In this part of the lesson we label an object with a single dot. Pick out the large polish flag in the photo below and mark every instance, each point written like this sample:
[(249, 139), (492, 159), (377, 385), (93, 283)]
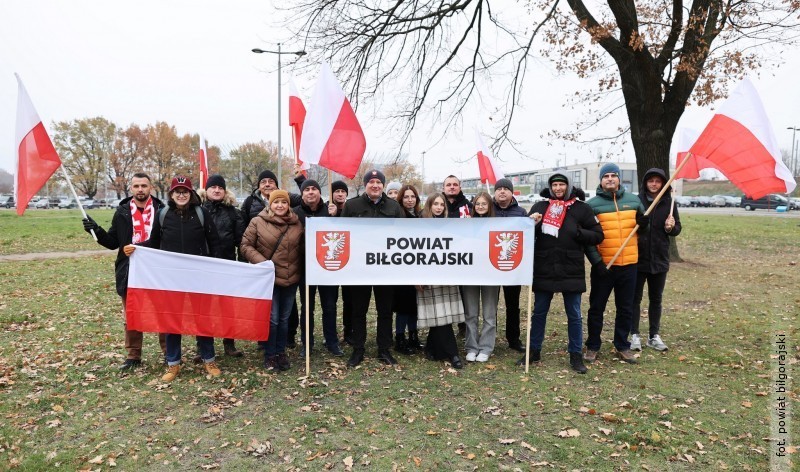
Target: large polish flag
[(332, 136), (490, 171), (202, 155), (37, 159), (297, 116), (177, 293), (739, 141)]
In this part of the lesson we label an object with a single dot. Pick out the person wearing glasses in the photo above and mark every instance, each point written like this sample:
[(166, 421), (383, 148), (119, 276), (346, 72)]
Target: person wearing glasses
[(259, 198)]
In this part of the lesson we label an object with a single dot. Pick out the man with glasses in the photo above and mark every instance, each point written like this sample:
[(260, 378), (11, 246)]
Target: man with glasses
[(253, 204), (618, 212)]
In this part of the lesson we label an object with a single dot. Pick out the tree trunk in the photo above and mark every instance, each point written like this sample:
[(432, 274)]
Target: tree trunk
[(673, 251)]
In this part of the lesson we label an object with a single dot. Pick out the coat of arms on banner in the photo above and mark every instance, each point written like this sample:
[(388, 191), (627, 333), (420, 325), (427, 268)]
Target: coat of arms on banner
[(333, 249), (505, 249)]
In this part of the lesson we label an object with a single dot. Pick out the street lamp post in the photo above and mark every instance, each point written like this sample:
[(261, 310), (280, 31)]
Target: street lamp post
[(792, 161), (279, 53)]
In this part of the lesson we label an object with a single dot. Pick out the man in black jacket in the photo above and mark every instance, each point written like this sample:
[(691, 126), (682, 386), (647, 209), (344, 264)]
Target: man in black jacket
[(564, 226), (132, 222), (373, 203), (653, 256), (457, 204), (221, 204), (256, 201)]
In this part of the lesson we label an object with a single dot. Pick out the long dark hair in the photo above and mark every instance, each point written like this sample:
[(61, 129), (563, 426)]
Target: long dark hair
[(427, 210), (403, 189)]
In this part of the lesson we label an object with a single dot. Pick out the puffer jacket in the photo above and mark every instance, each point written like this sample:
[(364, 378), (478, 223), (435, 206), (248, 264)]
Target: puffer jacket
[(654, 241), (362, 207), (228, 220), (120, 235), (182, 231), (558, 262), (262, 241), (617, 212), (460, 207)]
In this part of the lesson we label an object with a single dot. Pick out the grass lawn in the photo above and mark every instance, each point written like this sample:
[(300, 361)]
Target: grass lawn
[(704, 405)]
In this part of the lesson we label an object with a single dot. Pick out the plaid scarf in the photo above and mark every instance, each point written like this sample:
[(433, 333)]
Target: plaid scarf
[(554, 216), (142, 221)]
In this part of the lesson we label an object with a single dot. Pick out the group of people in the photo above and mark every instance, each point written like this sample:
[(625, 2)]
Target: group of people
[(270, 226)]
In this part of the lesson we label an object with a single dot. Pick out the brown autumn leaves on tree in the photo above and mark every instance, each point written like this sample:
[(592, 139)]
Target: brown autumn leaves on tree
[(650, 59)]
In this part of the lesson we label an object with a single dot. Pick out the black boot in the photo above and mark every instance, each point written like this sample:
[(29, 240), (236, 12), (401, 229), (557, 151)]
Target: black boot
[(230, 348), (576, 362), (401, 346), (536, 356), (413, 340)]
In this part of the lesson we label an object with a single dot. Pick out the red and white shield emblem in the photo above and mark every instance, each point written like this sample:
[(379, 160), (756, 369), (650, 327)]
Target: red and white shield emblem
[(333, 249), (505, 249)]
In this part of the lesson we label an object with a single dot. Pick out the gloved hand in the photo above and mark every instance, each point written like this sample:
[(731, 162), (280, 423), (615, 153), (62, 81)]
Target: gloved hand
[(643, 220), (90, 225), (599, 270)]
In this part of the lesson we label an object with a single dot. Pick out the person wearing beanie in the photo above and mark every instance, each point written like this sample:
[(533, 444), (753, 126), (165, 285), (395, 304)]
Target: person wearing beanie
[(505, 206), (618, 212), (373, 203), (338, 198), (258, 199), (653, 262), (393, 188), (185, 227), (221, 204), (564, 226), (312, 206)]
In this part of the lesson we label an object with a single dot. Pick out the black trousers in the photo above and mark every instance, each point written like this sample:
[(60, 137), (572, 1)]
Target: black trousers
[(294, 322), (347, 312), (441, 342), (511, 297), (655, 292), (621, 280), (361, 295)]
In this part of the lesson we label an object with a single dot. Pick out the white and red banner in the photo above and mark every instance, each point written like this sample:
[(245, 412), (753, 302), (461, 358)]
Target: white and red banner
[(332, 135), (37, 159), (490, 171), (177, 293), (739, 141), (203, 157), (297, 116), (398, 251)]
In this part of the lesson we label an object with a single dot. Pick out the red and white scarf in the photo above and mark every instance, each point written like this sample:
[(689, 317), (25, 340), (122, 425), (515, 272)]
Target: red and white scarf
[(142, 221), (554, 216)]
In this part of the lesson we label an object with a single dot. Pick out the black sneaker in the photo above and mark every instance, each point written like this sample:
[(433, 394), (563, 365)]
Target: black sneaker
[(335, 350), (356, 358), (130, 364), (283, 362), (516, 346), (386, 357), (536, 356)]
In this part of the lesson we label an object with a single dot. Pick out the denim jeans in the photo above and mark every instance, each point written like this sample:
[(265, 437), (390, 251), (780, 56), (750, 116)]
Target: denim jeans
[(328, 298), (655, 291), (475, 298), (403, 321), (282, 300), (205, 346), (622, 281), (572, 305)]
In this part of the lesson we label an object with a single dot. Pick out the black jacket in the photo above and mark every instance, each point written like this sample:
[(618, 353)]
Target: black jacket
[(454, 209), (405, 296), (183, 233), (120, 235), (254, 203), (229, 223), (304, 211), (654, 240), (512, 209), (362, 207), (558, 262)]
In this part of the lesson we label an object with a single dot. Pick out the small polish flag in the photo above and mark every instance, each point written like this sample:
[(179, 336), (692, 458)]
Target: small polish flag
[(169, 292), (489, 169), (739, 141), (332, 136), (203, 157), (37, 159), (297, 116)]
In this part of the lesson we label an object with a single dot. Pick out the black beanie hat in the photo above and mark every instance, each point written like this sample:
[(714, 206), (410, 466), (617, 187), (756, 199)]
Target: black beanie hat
[(308, 183), (216, 179), (268, 174), (504, 183), (374, 174), (339, 185)]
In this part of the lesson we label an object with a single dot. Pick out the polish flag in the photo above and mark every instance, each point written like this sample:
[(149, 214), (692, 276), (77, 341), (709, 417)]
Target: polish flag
[(169, 292), (489, 169), (203, 157), (37, 159), (739, 141), (332, 136), (297, 115)]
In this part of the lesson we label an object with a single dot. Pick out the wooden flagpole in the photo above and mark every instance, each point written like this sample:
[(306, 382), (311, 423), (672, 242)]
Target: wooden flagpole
[(649, 209)]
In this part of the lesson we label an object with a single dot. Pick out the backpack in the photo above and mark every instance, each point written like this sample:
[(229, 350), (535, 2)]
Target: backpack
[(162, 213)]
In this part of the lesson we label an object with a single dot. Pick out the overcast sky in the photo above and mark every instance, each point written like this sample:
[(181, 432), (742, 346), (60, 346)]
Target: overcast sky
[(189, 63)]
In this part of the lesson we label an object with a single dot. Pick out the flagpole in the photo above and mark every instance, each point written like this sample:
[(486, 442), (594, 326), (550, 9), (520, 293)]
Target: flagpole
[(650, 208), (308, 336), (528, 331), (672, 204), (330, 187), (74, 194)]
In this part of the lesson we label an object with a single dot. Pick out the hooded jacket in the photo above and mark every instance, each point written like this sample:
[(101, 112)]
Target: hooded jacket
[(654, 240), (119, 235), (228, 220), (454, 209), (280, 240), (617, 212)]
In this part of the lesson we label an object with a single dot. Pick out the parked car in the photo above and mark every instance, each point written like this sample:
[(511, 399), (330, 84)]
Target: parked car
[(718, 201), (702, 201), (67, 203), (795, 203), (112, 203), (7, 201), (89, 204), (682, 201), (732, 201), (769, 202), (42, 203), (522, 198)]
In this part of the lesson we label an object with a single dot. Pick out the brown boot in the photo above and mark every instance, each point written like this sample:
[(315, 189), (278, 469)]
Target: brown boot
[(230, 348), (172, 373), (627, 356), (212, 369), (589, 356)]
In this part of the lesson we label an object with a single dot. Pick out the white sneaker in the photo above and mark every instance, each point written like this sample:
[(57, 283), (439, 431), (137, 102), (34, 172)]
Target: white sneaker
[(636, 343), (656, 343), (471, 357), (482, 357)]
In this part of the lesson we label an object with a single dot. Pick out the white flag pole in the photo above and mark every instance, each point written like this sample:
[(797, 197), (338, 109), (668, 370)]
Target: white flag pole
[(74, 194)]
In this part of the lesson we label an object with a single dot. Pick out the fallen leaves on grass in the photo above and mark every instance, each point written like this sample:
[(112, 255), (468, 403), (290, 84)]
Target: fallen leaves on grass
[(569, 433)]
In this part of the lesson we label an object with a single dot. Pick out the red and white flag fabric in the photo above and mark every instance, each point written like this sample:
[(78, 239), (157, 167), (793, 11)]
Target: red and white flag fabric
[(202, 155), (177, 293), (490, 171), (332, 136), (37, 158), (739, 141), (297, 116)]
